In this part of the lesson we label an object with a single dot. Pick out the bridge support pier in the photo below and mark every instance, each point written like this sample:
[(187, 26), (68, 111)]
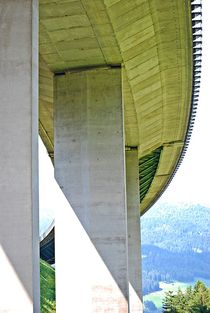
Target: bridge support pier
[(93, 270), (19, 229), (90, 169), (134, 231)]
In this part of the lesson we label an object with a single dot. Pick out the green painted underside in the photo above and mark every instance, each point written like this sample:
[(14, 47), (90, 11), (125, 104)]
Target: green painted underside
[(147, 169)]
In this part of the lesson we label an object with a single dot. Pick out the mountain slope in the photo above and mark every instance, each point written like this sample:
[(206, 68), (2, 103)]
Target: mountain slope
[(175, 244), (178, 228)]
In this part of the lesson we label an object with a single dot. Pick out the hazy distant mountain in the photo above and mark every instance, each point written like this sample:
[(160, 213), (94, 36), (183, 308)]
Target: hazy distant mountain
[(177, 227), (175, 244)]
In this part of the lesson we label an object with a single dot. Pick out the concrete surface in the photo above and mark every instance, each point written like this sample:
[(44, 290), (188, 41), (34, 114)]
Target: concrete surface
[(152, 41), (19, 237), (90, 170), (134, 232)]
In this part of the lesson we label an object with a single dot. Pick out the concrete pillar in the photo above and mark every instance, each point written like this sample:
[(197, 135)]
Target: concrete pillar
[(19, 237), (90, 169), (134, 235)]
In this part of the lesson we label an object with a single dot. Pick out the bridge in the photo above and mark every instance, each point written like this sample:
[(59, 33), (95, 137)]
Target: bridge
[(47, 244), (117, 85)]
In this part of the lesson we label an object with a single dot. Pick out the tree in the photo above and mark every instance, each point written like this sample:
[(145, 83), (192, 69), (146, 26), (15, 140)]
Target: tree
[(168, 303), (194, 300)]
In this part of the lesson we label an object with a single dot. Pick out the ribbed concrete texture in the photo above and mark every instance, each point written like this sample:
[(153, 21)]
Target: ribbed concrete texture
[(90, 169), (19, 238), (153, 41), (134, 234)]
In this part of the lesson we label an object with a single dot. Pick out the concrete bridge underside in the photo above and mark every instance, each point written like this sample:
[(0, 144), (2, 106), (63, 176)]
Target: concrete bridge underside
[(116, 98)]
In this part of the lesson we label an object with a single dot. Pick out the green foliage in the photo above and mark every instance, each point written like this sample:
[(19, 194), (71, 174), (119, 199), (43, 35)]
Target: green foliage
[(194, 300), (48, 306), (168, 303), (47, 288)]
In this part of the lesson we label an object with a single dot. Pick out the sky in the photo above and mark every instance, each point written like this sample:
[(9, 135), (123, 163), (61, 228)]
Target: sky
[(191, 182)]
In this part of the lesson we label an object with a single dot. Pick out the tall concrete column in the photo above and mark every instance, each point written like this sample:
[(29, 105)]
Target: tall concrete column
[(19, 237), (134, 231), (91, 246)]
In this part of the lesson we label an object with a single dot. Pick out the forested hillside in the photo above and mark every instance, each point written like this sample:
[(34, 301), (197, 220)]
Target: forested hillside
[(179, 228), (175, 244), (163, 265)]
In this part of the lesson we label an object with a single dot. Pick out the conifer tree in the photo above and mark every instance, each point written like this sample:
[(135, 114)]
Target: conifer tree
[(194, 300), (168, 303)]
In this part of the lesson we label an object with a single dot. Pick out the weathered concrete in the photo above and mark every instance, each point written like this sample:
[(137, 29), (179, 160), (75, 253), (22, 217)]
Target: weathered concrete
[(134, 231), (19, 238), (90, 169)]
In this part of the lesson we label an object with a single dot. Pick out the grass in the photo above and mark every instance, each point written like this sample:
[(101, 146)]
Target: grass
[(157, 297), (47, 288)]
